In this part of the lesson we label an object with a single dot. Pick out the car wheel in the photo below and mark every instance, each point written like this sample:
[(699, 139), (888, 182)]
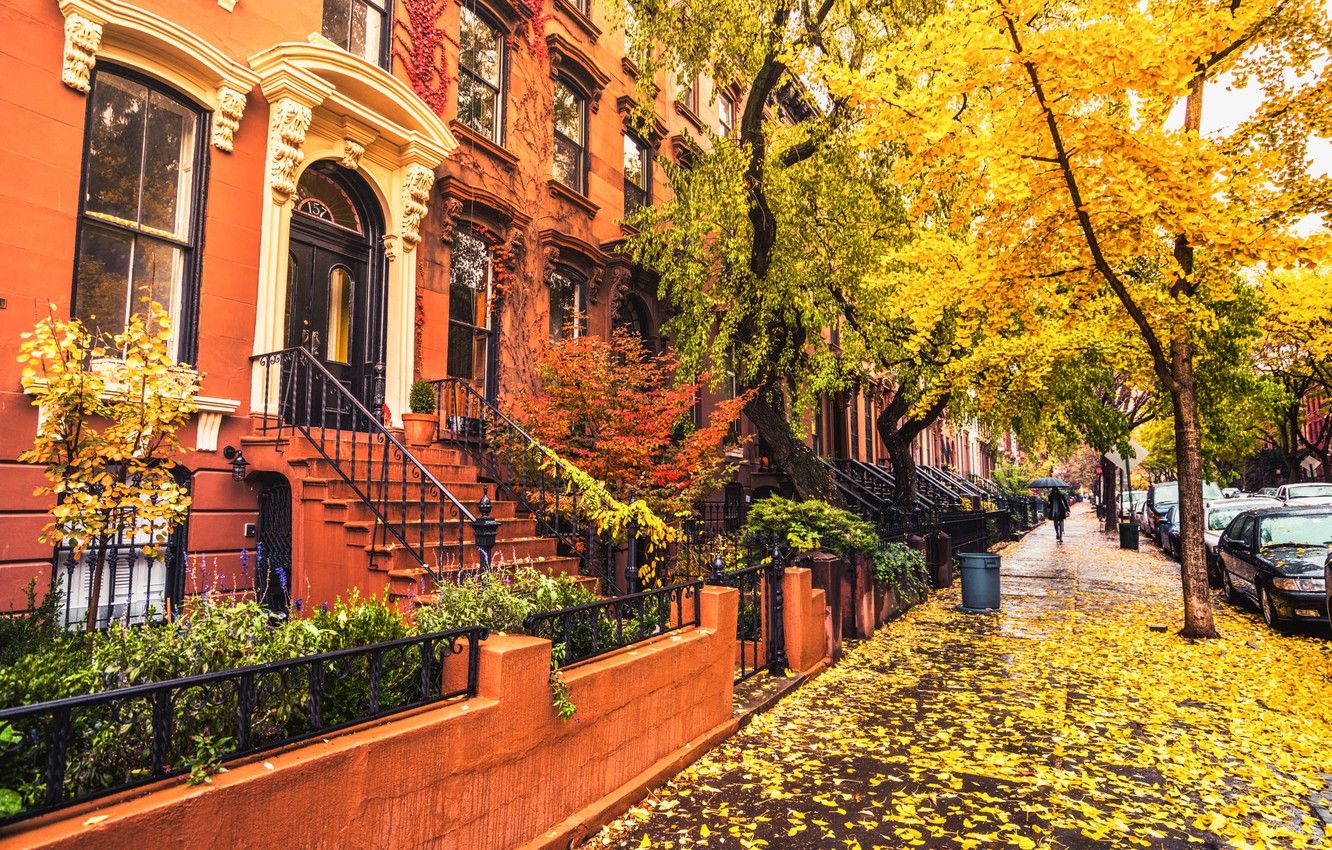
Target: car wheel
[(1265, 604), (1232, 595)]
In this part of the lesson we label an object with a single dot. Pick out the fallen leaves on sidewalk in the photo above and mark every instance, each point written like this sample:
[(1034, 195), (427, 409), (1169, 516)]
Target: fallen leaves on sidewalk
[(1075, 727)]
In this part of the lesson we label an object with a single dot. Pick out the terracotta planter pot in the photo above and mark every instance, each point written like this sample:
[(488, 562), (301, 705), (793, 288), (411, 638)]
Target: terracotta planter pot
[(420, 428)]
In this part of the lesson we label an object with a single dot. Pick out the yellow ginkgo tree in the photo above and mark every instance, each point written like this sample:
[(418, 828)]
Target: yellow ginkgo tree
[(1068, 138), (109, 408)]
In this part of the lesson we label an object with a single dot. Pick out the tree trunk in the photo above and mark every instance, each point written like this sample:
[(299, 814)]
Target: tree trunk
[(95, 591), (1198, 621), (904, 467), (767, 412), (1108, 495)]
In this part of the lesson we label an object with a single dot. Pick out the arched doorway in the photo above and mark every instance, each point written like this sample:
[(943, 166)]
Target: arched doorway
[(335, 280)]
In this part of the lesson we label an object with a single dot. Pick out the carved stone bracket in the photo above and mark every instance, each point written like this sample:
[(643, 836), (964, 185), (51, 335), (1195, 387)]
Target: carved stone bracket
[(594, 284), (226, 121), (286, 139), (618, 280), (389, 242), (352, 151), (415, 199), (82, 38), (550, 260), (449, 219)]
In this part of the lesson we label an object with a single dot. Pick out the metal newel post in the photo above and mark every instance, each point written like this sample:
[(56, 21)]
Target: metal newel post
[(631, 559), (484, 531), (718, 567), (776, 630)]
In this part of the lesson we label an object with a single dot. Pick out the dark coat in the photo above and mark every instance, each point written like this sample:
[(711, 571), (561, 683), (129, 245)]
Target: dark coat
[(1057, 503)]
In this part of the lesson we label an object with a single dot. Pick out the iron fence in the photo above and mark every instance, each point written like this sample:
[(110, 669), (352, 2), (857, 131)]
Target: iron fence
[(595, 628), (67, 751), (759, 632)]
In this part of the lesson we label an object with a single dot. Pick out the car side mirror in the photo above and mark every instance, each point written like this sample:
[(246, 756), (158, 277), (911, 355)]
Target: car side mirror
[(1237, 545)]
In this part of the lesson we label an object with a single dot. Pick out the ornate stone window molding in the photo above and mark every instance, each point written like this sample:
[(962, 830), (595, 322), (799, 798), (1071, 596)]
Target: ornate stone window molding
[(153, 45), (325, 103), (567, 61)]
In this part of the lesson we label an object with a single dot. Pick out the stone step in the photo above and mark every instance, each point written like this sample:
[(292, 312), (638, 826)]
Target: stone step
[(359, 531), (392, 555)]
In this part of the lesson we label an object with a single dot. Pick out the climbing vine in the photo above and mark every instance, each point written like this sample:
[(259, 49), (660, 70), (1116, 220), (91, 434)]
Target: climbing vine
[(418, 44)]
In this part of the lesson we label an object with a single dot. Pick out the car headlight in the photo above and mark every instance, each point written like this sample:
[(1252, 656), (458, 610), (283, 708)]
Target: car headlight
[(1303, 585)]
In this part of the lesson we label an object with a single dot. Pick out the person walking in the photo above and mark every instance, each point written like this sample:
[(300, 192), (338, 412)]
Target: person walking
[(1057, 504)]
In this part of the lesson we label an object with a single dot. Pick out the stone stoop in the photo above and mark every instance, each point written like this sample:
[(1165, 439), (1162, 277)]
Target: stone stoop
[(317, 486)]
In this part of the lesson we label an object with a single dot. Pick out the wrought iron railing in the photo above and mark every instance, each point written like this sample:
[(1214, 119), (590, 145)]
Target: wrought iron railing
[(72, 750), (409, 502), (524, 471), (965, 529), (595, 628), (133, 587), (942, 492), (757, 574)]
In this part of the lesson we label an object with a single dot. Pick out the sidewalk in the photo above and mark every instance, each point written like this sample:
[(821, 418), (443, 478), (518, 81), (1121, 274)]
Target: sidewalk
[(1065, 721)]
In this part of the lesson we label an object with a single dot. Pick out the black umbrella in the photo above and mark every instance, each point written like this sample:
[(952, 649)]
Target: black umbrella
[(1047, 483)]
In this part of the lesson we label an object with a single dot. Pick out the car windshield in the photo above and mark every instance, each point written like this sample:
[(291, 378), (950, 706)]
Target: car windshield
[(1309, 491), (1297, 530), (1165, 494), (1210, 490)]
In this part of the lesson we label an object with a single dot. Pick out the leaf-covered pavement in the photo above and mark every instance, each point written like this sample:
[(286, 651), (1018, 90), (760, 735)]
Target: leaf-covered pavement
[(1064, 722)]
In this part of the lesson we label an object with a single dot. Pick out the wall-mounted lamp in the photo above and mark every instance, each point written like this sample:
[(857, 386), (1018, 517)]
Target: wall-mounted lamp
[(238, 462)]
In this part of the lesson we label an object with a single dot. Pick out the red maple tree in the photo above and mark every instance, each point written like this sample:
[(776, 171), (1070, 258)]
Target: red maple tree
[(617, 411)]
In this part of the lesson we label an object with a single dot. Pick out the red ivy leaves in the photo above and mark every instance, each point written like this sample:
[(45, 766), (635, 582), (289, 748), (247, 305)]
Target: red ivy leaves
[(419, 46)]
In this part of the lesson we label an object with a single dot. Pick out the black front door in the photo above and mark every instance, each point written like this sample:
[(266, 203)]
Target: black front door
[(335, 293)]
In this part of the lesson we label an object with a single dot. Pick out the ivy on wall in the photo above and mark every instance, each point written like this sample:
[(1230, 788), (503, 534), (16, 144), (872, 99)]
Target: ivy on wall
[(419, 45)]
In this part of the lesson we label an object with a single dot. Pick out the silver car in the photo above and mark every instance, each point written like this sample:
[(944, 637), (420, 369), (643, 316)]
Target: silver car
[(1299, 495)]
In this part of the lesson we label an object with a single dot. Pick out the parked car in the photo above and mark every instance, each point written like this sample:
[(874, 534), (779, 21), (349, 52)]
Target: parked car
[(1305, 494), (1216, 516), (1130, 501), (1167, 532), (1161, 496), (1277, 558), (1269, 492), (1231, 493)]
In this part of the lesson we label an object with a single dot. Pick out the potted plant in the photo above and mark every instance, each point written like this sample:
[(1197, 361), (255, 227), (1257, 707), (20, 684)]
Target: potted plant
[(420, 424)]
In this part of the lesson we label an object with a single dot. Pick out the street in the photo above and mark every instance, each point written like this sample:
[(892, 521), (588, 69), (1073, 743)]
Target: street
[(1075, 718)]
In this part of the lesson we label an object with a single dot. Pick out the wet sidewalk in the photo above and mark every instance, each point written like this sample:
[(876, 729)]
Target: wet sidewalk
[(1070, 719)]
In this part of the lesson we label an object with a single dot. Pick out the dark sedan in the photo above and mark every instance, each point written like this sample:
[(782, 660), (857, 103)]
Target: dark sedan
[(1275, 557)]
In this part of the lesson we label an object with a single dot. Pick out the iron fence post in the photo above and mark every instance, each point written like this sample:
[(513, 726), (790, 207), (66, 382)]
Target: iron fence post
[(484, 531), (631, 559), (777, 661)]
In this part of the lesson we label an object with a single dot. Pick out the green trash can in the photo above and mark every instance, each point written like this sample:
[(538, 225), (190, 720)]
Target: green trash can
[(1128, 535), (980, 581)]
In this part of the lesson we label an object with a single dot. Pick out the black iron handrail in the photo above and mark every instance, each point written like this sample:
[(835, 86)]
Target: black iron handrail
[(595, 628), (84, 747), (525, 471), (938, 491), (881, 480), (408, 501)]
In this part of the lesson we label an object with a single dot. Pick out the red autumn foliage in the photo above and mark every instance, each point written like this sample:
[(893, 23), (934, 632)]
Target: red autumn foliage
[(419, 46), (616, 411)]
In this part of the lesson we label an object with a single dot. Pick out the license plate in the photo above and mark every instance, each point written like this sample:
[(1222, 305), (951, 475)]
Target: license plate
[(1307, 612)]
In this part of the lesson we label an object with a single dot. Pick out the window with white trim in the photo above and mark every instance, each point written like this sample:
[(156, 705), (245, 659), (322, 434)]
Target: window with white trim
[(141, 206)]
